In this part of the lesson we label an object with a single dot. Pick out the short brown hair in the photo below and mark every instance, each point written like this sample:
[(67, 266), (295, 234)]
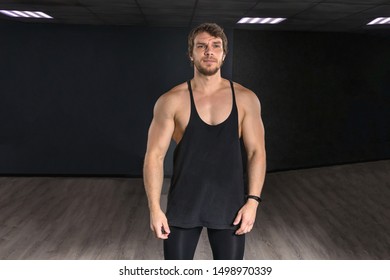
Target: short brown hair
[(213, 29)]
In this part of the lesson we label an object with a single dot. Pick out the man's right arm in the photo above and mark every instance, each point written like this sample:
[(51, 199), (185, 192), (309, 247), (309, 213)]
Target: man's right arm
[(159, 138)]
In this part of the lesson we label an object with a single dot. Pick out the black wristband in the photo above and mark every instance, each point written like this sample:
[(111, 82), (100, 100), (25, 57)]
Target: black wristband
[(257, 198)]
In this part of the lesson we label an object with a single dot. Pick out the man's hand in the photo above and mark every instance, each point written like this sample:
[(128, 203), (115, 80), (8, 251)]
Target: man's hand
[(246, 216), (159, 224)]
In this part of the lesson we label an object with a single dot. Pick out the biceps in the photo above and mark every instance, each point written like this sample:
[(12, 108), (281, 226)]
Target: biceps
[(159, 137), (253, 134)]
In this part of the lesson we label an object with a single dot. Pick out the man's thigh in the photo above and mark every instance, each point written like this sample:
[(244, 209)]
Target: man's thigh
[(181, 243), (226, 245)]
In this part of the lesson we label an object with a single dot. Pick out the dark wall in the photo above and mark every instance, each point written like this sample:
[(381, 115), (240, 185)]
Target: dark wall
[(79, 99), (325, 96)]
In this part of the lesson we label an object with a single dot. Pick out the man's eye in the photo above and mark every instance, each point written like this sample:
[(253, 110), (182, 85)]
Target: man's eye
[(200, 46), (217, 46)]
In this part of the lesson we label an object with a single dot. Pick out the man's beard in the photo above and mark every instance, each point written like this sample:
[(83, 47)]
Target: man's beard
[(206, 71)]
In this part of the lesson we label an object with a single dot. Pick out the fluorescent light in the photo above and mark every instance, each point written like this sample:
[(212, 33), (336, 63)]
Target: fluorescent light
[(244, 20), (277, 20), (8, 13), (385, 21), (25, 14), (254, 20), (265, 20), (21, 14), (43, 15), (257, 20), (380, 20), (32, 14)]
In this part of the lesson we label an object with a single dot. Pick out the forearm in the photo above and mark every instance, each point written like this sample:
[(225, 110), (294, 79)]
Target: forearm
[(153, 181), (256, 168), (256, 175)]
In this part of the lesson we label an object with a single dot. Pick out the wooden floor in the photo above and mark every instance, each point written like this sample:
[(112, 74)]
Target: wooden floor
[(339, 212)]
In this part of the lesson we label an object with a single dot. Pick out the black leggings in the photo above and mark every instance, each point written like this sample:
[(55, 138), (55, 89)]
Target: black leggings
[(225, 244)]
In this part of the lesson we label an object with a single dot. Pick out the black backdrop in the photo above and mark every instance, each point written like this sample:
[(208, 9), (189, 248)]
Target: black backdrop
[(325, 96), (78, 100)]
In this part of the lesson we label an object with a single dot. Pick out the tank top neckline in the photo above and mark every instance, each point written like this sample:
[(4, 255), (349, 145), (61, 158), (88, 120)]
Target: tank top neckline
[(193, 106)]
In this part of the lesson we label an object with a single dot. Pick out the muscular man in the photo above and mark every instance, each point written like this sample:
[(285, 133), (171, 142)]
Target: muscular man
[(206, 117)]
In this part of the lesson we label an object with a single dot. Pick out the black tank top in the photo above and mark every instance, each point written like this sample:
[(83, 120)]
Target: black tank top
[(207, 185)]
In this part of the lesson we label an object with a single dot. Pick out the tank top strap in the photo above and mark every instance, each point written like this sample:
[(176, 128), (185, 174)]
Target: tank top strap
[(193, 109), (233, 94), (231, 85), (234, 107)]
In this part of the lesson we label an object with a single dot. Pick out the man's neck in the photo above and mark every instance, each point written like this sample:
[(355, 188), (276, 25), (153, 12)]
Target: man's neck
[(207, 84)]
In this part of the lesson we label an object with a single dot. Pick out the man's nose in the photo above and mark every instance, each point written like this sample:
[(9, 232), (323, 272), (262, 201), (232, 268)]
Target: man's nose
[(207, 50)]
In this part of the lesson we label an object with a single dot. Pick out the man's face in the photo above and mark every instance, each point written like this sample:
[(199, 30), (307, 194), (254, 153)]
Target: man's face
[(208, 54)]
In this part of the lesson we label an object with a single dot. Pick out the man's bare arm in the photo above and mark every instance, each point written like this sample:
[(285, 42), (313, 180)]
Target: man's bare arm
[(253, 137), (159, 138)]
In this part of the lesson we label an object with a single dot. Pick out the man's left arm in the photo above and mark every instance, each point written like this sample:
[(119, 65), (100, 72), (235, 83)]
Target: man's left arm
[(252, 130)]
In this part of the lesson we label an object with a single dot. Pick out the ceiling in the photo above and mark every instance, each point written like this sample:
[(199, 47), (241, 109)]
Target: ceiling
[(305, 15)]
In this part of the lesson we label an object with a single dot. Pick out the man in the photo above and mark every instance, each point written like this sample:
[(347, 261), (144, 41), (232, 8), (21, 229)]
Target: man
[(206, 117)]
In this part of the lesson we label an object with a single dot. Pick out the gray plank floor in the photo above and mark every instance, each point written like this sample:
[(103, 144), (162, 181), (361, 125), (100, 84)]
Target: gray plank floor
[(339, 212)]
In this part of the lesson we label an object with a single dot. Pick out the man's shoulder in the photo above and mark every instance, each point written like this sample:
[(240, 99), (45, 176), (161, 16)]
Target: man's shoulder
[(170, 101), (175, 93), (245, 95), (247, 100)]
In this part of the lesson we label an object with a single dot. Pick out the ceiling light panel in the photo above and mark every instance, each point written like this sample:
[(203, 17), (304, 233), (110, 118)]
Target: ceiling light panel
[(257, 20), (25, 14), (380, 20)]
